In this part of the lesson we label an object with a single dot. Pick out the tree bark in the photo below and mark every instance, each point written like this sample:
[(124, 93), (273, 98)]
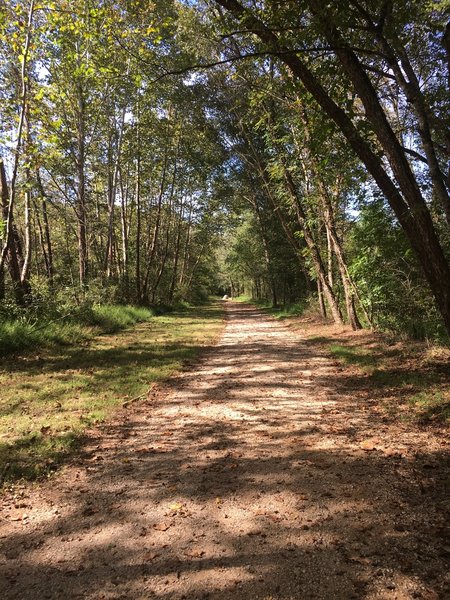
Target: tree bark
[(410, 209), (137, 197), (154, 241), (314, 250), (266, 248), (413, 93), (322, 308), (80, 207), (47, 247), (13, 253)]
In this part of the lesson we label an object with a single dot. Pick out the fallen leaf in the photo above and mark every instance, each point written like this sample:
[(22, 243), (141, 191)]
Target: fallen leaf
[(369, 444), (275, 518), (175, 506), (362, 560), (392, 452), (195, 553), (162, 526), (149, 556)]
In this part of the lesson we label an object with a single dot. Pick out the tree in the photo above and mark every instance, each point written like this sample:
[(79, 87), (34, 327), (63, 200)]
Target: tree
[(404, 195)]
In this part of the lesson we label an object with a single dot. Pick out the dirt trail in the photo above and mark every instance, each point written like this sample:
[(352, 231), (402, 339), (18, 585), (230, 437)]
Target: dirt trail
[(257, 477)]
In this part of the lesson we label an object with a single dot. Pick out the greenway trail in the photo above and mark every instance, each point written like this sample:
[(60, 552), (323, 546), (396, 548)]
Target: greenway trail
[(259, 474)]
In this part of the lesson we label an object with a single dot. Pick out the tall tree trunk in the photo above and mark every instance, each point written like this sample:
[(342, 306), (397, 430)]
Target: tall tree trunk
[(124, 232), (322, 308), (24, 275), (408, 206), (260, 169), (46, 234), (162, 265), (267, 258), (112, 192), (80, 208), (154, 238), (399, 63), (8, 205), (313, 249), (137, 197), (186, 248), (334, 242), (336, 247), (176, 257), (25, 271), (329, 257), (13, 254), (43, 248), (2, 284)]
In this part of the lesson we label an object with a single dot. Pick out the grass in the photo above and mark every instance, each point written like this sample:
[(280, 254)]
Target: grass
[(352, 355), (21, 335), (417, 384), (431, 406), (49, 399)]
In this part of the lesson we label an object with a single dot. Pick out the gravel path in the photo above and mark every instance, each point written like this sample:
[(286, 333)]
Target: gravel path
[(259, 475)]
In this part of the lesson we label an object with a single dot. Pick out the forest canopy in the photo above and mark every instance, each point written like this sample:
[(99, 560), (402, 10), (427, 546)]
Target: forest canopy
[(155, 152)]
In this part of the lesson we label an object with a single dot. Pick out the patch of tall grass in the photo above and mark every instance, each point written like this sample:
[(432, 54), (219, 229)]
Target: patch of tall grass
[(110, 318), (32, 332)]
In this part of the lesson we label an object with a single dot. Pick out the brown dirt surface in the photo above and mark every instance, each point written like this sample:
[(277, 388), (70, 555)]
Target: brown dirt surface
[(264, 472)]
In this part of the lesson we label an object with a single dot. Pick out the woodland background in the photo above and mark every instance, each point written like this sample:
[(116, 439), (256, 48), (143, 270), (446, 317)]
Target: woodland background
[(156, 152)]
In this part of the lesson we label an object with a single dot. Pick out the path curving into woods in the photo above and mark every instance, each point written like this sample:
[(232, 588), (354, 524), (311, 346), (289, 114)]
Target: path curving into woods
[(257, 475)]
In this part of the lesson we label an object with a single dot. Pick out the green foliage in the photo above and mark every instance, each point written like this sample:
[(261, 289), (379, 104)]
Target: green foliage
[(109, 318), (388, 276), (354, 356), (25, 334), (48, 400), (431, 406), (18, 336), (286, 311)]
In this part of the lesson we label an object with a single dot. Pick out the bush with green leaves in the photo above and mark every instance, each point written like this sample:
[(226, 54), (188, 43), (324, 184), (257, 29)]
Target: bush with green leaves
[(391, 284)]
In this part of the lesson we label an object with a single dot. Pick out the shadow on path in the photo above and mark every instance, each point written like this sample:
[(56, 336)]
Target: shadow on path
[(248, 480)]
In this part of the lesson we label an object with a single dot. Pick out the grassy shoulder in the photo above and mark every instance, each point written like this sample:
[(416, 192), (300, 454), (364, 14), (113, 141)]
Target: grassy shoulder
[(49, 397), (26, 333), (410, 380)]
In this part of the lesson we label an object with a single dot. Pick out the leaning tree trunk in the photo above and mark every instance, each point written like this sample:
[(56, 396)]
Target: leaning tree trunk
[(407, 204), (314, 250)]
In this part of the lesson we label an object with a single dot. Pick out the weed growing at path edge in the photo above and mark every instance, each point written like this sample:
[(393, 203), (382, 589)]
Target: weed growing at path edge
[(48, 399)]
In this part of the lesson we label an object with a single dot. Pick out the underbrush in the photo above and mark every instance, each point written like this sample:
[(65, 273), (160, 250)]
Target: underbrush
[(284, 311), (31, 331), (110, 318)]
